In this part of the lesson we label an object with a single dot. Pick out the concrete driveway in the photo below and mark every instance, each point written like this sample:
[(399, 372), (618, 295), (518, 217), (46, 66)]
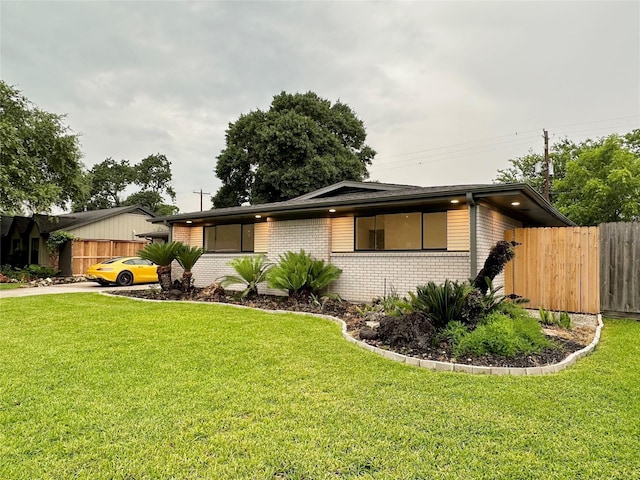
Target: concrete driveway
[(82, 287)]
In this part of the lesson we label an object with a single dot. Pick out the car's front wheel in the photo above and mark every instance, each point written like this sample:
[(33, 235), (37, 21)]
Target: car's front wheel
[(125, 279)]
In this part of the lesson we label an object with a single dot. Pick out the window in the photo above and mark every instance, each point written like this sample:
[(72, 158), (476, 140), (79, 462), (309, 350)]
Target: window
[(402, 231), (229, 238)]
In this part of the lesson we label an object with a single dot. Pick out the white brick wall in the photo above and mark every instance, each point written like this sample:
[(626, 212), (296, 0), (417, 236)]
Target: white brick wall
[(366, 274), (491, 227)]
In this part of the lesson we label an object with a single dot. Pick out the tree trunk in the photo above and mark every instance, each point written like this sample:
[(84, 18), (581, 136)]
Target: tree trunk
[(164, 277), (186, 281)]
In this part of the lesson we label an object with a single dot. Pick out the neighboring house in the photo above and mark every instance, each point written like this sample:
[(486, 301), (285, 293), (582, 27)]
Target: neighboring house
[(384, 237), (120, 223)]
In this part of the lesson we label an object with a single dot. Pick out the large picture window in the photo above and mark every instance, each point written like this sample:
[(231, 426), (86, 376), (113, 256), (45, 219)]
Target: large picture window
[(229, 238), (402, 231)]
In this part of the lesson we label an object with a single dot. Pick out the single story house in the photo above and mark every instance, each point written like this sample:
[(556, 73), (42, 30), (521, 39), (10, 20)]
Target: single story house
[(384, 237), (26, 237)]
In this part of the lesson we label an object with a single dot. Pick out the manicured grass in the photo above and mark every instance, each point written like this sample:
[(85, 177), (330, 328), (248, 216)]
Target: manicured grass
[(98, 387), (8, 286)]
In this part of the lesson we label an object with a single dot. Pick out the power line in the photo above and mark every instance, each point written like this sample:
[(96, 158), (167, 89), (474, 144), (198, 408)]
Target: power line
[(201, 195)]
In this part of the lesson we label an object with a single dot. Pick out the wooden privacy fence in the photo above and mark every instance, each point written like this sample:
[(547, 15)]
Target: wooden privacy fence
[(620, 269), (85, 253), (556, 268)]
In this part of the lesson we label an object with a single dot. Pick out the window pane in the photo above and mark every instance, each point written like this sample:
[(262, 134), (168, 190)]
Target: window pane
[(401, 231), (247, 238), (228, 238), (435, 230), (365, 233), (209, 239)]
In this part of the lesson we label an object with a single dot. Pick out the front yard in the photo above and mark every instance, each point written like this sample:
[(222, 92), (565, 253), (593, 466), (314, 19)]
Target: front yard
[(99, 387)]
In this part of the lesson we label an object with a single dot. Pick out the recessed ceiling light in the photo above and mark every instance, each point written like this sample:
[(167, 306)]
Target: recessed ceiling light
[(258, 216), (332, 210), (455, 201), (515, 204), (189, 221)]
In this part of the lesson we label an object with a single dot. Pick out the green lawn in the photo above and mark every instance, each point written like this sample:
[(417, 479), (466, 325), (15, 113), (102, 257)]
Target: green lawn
[(99, 387), (9, 286)]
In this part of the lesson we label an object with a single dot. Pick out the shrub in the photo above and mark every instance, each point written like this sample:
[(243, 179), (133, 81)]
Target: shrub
[(251, 271), (301, 275), (28, 273), (505, 336), (442, 303), (499, 256), (453, 333)]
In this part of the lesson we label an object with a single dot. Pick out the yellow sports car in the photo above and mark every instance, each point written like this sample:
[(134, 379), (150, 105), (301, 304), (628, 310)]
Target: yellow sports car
[(123, 271)]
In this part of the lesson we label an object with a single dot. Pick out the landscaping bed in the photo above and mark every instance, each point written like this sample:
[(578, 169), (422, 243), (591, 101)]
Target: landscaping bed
[(565, 341)]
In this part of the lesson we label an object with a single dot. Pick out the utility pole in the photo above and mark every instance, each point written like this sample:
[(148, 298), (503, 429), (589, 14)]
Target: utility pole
[(201, 194), (546, 163)]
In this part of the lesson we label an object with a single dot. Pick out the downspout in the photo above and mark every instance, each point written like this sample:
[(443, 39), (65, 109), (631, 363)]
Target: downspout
[(473, 236), (170, 237)]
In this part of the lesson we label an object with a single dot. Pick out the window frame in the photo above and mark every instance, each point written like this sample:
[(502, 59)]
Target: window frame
[(422, 231), (241, 238)]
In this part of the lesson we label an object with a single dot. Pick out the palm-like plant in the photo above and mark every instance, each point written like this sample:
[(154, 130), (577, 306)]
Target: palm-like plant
[(187, 257), (251, 270), (301, 275), (162, 254), (442, 303)]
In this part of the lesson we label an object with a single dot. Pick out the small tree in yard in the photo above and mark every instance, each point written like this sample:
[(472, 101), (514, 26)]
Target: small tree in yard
[(187, 257), (162, 254), (499, 256)]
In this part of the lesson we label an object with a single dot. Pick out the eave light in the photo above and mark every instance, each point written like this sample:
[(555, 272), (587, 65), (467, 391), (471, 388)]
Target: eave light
[(332, 210), (515, 204), (455, 201), (258, 216), (189, 221)]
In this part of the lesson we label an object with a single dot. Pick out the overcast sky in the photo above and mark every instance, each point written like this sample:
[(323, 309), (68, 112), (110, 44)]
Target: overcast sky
[(448, 91)]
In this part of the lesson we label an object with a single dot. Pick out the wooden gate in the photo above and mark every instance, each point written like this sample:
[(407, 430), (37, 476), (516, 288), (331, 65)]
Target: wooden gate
[(85, 253), (556, 268), (620, 269)]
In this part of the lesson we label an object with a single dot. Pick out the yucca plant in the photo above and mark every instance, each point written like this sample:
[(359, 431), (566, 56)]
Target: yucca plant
[(301, 275), (162, 254), (251, 271), (187, 257), (442, 303)]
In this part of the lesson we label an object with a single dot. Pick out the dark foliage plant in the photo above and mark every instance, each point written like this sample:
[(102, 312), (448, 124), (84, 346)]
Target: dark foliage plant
[(442, 303), (500, 255)]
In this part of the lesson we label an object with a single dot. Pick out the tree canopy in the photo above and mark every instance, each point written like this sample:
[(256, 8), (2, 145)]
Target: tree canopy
[(592, 182), (108, 180), (40, 157), (302, 143)]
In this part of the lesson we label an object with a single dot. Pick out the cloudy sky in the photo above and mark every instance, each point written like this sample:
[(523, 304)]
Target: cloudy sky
[(448, 91)]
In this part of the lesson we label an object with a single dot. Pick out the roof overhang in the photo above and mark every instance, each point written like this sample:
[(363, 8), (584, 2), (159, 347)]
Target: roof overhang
[(519, 201)]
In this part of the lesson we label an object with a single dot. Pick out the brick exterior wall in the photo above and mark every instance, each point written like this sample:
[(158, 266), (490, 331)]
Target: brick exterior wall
[(491, 227), (366, 275)]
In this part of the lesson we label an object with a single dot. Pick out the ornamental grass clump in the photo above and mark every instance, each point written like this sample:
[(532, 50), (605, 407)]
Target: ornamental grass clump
[(301, 275)]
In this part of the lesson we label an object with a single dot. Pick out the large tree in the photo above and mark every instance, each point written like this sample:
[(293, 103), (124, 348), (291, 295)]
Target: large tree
[(593, 181), (40, 157), (601, 185), (303, 142), (108, 180)]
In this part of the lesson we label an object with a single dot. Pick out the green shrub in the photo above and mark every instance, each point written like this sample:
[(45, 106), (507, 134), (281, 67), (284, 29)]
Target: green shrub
[(301, 275), (442, 303), (251, 271), (453, 333), (28, 273), (505, 336)]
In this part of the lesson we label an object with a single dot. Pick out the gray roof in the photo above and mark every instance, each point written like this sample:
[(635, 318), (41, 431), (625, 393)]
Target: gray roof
[(51, 223), (346, 196)]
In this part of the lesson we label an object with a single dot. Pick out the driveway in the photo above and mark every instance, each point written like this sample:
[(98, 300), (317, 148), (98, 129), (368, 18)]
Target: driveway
[(82, 287)]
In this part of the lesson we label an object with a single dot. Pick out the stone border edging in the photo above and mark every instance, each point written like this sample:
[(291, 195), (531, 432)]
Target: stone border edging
[(418, 362)]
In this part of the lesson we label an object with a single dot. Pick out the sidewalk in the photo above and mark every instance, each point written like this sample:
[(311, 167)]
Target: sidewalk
[(83, 287)]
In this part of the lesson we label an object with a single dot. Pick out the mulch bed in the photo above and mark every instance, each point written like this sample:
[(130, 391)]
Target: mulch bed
[(566, 341)]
